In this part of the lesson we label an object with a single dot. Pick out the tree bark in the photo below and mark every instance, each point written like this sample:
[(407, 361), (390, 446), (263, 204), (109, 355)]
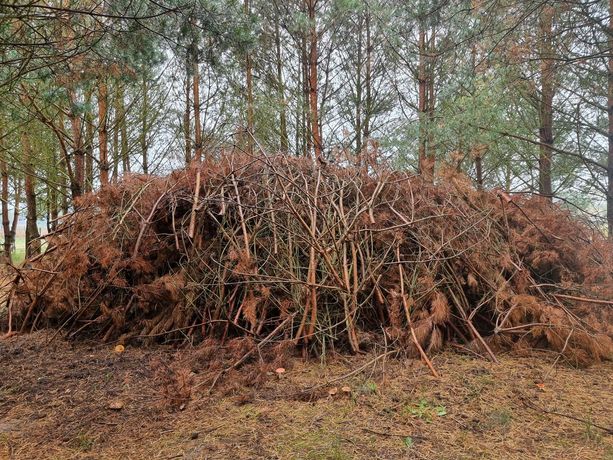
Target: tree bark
[(16, 212), (358, 91), (197, 125), (546, 101), (313, 85), (610, 128), (115, 141), (77, 146), (9, 237), (368, 79), (123, 124), (307, 138), (144, 133), (32, 234), (475, 54), (102, 132), (249, 84), (88, 145), (283, 138), (186, 114), (65, 179), (431, 101), (53, 208), (422, 102), (52, 189), (479, 168)]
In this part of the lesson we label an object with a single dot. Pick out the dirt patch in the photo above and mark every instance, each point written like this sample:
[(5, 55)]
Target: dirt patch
[(59, 400)]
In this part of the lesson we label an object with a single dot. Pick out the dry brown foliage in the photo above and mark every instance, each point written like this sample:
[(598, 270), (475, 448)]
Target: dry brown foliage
[(349, 253)]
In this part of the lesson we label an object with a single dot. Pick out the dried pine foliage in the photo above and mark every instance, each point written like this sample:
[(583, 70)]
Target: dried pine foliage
[(333, 255)]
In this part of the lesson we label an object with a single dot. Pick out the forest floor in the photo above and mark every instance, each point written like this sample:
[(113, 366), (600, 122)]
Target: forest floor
[(65, 400)]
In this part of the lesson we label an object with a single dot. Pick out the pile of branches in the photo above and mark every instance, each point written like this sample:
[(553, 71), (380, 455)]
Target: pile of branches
[(275, 249)]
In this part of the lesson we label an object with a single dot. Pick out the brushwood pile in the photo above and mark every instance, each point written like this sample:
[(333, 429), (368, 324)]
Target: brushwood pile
[(324, 257)]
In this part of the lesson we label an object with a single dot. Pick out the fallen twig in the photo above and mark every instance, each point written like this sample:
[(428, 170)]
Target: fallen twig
[(531, 405)]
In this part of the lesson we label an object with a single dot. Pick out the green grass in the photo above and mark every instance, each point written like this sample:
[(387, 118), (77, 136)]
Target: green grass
[(20, 250)]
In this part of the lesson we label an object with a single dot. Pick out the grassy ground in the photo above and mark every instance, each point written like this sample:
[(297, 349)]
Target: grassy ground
[(64, 400), (20, 249)]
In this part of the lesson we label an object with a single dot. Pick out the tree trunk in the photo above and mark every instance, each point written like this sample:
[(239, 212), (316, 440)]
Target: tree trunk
[(546, 101), (64, 177), (186, 114), (88, 146), (283, 139), (313, 88), (16, 209), (477, 71), (368, 79), (431, 101), (358, 91), (610, 133), (115, 141), (123, 124), (144, 134), (77, 142), (9, 237), (53, 208), (422, 102), (479, 168), (249, 84), (32, 234), (197, 125), (306, 115), (297, 112), (52, 189), (102, 132)]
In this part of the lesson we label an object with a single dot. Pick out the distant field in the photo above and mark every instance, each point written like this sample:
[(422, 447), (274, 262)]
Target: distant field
[(20, 249)]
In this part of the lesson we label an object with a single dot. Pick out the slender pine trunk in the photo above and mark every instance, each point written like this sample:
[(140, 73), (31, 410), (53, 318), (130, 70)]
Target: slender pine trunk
[(368, 78), (88, 146), (9, 237), (358, 91), (77, 186), (313, 83), (115, 141), (197, 125), (16, 212), (283, 138), (249, 85), (123, 123), (610, 133), (306, 114), (102, 132), (422, 101), (52, 189), (32, 234), (431, 100), (546, 101), (186, 114), (144, 133)]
